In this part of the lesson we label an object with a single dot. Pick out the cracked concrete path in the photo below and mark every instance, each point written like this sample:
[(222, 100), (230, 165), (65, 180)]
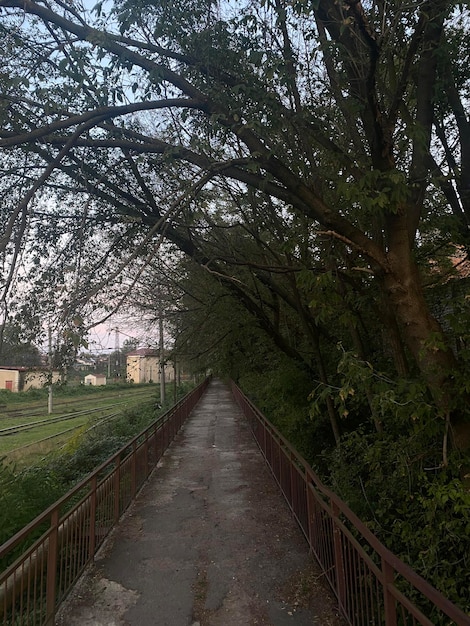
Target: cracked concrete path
[(208, 542)]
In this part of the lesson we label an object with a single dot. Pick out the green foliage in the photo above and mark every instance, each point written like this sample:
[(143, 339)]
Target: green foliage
[(25, 495), (280, 391), (394, 480), (419, 509), (376, 191), (362, 390), (16, 348), (9, 397), (60, 390), (87, 451), (65, 390)]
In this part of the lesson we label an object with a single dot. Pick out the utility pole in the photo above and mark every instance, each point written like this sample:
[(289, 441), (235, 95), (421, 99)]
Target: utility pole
[(175, 394), (118, 355), (162, 356), (49, 399)]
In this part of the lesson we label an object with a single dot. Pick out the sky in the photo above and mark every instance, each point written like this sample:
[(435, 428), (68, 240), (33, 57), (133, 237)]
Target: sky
[(103, 337)]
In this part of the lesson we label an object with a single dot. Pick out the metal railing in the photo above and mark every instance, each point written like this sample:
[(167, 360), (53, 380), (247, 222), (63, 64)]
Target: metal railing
[(63, 540), (372, 585)]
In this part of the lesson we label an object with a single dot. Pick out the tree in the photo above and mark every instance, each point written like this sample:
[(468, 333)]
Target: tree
[(130, 344), (305, 145), (16, 350)]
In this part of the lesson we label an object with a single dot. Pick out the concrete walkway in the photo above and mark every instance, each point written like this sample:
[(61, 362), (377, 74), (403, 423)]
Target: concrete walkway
[(209, 541)]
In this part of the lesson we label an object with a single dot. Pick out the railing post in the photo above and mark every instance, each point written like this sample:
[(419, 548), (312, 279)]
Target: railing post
[(310, 512), (134, 470), (265, 442), (155, 444), (146, 455), (339, 558), (93, 484), (293, 491), (117, 489), (52, 551), (389, 602)]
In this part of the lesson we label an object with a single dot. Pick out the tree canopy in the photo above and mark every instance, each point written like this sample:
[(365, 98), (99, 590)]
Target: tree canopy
[(290, 182), (16, 350), (309, 156)]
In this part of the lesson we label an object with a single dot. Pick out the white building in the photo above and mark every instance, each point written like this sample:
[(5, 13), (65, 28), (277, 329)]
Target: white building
[(143, 366), (95, 380), (23, 378)]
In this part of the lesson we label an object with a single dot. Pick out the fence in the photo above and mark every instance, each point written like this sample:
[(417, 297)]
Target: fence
[(373, 586), (68, 534)]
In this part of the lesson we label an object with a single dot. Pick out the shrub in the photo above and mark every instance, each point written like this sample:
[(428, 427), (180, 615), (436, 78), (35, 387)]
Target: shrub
[(418, 509)]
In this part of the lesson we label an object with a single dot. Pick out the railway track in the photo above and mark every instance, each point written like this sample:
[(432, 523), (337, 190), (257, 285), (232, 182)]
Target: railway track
[(38, 407), (21, 437), (11, 430), (61, 433)]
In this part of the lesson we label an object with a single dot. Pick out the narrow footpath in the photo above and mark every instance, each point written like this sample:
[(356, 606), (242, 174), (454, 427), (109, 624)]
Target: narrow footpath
[(208, 542)]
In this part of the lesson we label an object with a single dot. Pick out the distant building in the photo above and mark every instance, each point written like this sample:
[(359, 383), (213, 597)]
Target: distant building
[(95, 380), (23, 378), (143, 366), (83, 364)]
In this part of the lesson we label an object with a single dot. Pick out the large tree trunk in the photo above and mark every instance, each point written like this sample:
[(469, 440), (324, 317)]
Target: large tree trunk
[(422, 333), (392, 337)]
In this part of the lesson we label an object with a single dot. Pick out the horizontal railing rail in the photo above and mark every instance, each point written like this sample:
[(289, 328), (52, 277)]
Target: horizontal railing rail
[(372, 585), (63, 540)]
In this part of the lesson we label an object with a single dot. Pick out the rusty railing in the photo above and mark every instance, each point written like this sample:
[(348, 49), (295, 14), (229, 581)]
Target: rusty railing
[(65, 537), (372, 585)]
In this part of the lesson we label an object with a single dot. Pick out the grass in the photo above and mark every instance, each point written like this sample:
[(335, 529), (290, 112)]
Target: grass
[(39, 476), (27, 446)]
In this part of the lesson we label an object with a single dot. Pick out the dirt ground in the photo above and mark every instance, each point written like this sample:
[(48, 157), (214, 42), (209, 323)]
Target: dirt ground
[(209, 541)]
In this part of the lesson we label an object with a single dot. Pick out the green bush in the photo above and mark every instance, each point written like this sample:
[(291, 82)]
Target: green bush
[(394, 479), (88, 450), (282, 393), (26, 494), (417, 508), (22, 497)]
